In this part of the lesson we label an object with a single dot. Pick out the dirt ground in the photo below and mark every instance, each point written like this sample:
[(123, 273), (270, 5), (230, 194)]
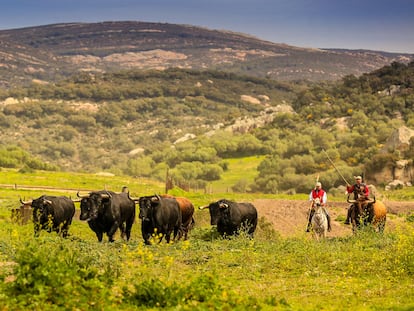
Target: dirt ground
[(289, 217)]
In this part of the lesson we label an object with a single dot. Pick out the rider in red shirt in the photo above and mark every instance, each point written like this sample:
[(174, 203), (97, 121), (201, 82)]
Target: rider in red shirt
[(359, 188), (320, 194)]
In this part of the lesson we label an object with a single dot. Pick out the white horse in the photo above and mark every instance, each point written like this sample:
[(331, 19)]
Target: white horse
[(319, 221)]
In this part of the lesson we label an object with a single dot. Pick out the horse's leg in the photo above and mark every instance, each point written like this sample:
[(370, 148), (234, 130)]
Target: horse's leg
[(356, 223), (309, 226), (353, 216), (381, 225), (328, 218)]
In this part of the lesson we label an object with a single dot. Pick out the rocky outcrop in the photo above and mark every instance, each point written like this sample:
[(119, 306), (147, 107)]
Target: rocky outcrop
[(399, 140), (246, 124), (401, 172)]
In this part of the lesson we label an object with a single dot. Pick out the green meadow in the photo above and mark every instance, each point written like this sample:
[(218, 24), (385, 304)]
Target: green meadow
[(240, 171), (368, 271)]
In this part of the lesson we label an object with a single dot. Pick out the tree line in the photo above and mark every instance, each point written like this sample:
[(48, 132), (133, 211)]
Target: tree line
[(350, 119)]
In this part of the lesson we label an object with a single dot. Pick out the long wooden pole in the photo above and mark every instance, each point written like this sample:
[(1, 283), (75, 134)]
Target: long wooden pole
[(335, 167)]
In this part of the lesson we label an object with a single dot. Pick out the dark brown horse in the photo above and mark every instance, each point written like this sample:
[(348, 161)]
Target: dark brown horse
[(367, 212)]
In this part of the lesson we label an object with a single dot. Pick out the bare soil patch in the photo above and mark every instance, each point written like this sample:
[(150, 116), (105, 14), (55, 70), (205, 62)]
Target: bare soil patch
[(289, 217)]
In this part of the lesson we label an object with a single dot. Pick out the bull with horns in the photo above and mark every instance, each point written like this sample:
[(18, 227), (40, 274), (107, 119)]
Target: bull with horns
[(52, 213), (106, 211)]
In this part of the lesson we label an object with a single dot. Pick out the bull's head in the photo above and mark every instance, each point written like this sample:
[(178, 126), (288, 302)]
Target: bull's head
[(42, 211), (224, 211), (215, 210), (146, 205), (92, 203)]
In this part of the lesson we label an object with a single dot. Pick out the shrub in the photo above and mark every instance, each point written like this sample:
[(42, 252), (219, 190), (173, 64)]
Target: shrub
[(82, 122), (379, 162), (202, 293), (49, 269)]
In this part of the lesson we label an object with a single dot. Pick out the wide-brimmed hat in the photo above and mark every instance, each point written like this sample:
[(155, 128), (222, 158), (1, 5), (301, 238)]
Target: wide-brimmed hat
[(358, 177), (318, 184)]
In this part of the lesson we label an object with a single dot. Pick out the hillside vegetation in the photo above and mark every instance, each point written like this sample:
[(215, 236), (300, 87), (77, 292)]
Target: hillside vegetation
[(54, 52), (145, 123)]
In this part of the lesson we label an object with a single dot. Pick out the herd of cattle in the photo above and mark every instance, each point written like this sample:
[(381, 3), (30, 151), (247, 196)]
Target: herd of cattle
[(164, 215), (160, 215)]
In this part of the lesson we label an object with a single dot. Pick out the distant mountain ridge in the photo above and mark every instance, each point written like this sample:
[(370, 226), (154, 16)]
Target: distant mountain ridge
[(52, 52)]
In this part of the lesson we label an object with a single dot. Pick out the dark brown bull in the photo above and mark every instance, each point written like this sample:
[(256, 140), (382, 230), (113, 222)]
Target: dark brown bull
[(367, 212), (187, 213)]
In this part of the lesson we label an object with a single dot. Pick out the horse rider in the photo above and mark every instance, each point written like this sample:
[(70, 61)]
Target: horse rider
[(358, 189), (318, 194)]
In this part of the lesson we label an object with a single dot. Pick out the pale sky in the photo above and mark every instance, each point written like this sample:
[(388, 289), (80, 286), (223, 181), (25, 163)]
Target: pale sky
[(385, 25)]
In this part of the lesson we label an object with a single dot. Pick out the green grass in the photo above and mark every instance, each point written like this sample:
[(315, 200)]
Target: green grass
[(239, 169), (405, 194), (363, 272), (78, 181), (367, 272)]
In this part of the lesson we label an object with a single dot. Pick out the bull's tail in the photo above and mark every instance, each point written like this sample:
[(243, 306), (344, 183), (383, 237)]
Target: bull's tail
[(192, 224)]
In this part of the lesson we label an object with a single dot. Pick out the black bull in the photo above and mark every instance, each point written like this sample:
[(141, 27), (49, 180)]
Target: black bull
[(160, 216), (232, 217), (52, 213), (106, 211)]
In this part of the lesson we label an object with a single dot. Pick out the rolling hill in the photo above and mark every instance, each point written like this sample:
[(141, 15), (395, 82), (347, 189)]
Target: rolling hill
[(52, 52)]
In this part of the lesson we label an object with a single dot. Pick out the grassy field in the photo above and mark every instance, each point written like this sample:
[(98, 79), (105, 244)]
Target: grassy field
[(363, 272), (239, 170)]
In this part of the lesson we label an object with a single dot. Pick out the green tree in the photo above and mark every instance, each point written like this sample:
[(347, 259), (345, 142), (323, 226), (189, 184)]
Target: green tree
[(141, 167), (82, 122)]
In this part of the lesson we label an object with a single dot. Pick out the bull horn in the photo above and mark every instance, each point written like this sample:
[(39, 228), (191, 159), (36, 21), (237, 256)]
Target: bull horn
[(203, 207), (158, 198), (371, 200), (133, 199), (26, 202), (47, 201), (106, 195), (82, 196), (223, 205), (350, 201)]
